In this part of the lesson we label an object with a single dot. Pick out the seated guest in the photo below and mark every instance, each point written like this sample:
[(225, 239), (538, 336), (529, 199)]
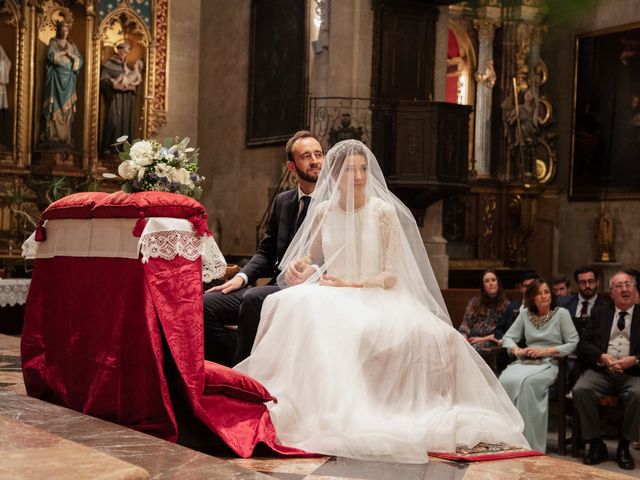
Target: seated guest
[(580, 304), (610, 350), (514, 307), (548, 331), (483, 312), (561, 286)]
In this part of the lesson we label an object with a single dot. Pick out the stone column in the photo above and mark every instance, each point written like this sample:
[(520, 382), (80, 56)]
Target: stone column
[(488, 20), (436, 244)]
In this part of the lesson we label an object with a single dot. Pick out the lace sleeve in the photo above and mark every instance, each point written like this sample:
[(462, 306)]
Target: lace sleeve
[(389, 229)]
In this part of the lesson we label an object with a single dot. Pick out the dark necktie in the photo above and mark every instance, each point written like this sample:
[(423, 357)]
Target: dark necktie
[(621, 316), (303, 213), (585, 309)]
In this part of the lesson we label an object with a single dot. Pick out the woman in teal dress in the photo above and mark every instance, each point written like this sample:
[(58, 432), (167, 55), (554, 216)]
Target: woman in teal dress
[(548, 332), (61, 72)]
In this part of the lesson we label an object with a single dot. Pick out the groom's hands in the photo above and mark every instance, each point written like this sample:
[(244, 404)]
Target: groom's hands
[(232, 285)]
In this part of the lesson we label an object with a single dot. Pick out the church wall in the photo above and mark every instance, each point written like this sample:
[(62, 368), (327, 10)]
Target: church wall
[(183, 70), (577, 227), (238, 179)]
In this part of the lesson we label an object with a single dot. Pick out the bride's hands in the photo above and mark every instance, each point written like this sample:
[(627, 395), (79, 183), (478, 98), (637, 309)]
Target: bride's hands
[(329, 281), (299, 271)]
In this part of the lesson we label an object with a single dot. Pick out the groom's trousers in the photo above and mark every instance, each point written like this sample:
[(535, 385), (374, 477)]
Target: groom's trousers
[(241, 307)]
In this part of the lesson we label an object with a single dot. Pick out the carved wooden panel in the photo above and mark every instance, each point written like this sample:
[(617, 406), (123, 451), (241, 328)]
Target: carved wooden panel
[(431, 142), (411, 146)]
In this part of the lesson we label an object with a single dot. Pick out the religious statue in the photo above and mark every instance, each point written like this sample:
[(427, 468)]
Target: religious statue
[(63, 62), (522, 123), (5, 69), (604, 237), (118, 84)]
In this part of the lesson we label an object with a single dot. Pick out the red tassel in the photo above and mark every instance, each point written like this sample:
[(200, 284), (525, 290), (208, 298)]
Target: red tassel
[(200, 224), (41, 232), (139, 228)]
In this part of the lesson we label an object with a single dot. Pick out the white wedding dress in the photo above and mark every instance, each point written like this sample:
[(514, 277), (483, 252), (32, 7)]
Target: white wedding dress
[(371, 373)]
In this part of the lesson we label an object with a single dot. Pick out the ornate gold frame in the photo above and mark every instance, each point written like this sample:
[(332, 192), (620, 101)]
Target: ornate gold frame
[(154, 93)]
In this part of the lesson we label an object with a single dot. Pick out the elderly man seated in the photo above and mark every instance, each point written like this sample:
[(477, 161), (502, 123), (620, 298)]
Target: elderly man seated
[(610, 349)]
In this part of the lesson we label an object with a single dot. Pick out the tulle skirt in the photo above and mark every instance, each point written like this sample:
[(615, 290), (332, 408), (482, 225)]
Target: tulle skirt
[(373, 374)]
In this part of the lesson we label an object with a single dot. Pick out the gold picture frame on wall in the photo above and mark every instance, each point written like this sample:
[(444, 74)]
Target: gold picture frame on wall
[(606, 115), (26, 31)]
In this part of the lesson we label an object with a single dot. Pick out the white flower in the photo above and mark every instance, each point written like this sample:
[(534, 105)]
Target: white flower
[(183, 177), (141, 173), (142, 153), (162, 169), (128, 170)]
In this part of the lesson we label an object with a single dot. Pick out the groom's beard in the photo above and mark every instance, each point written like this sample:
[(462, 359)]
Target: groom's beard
[(307, 176)]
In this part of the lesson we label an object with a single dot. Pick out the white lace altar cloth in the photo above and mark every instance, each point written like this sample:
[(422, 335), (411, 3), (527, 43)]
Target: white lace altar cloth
[(13, 291), (162, 237)]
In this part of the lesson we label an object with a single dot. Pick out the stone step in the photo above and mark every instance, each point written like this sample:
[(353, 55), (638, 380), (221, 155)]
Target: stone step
[(30, 453), (156, 458)]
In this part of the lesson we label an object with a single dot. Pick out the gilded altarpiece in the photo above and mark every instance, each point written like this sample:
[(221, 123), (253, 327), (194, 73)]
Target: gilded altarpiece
[(54, 121), (506, 219)]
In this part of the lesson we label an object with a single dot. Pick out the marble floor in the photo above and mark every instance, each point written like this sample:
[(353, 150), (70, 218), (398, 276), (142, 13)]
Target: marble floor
[(39, 440)]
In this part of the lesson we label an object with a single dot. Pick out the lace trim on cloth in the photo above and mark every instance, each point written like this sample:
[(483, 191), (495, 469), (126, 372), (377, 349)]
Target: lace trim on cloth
[(167, 244), (214, 265), (112, 237), (30, 247), (540, 322), (13, 291)]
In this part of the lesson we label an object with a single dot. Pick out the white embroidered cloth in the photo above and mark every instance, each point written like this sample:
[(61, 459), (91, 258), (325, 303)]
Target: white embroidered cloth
[(113, 238), (13, 291)]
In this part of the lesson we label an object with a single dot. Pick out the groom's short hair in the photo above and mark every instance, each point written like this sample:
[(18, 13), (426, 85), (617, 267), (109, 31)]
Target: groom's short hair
[(297, 136)]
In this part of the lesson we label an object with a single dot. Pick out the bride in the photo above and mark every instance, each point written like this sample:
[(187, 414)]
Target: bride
[(361, 354)]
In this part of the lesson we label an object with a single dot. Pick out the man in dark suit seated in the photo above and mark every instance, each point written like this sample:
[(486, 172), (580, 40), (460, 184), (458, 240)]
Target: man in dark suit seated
[(610, 349), (232, 303), (580, 304)]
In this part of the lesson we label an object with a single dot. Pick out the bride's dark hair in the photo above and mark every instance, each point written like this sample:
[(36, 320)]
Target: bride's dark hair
[(341, 152)]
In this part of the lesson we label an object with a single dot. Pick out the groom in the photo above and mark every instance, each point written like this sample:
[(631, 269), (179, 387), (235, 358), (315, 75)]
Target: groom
[(232, 303)]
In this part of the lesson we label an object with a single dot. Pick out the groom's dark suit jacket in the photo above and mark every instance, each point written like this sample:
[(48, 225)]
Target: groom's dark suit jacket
[(279, 231), (595, 337)]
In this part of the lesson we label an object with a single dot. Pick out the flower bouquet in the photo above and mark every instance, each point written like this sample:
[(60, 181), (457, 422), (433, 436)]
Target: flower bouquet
[(170, 166)]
